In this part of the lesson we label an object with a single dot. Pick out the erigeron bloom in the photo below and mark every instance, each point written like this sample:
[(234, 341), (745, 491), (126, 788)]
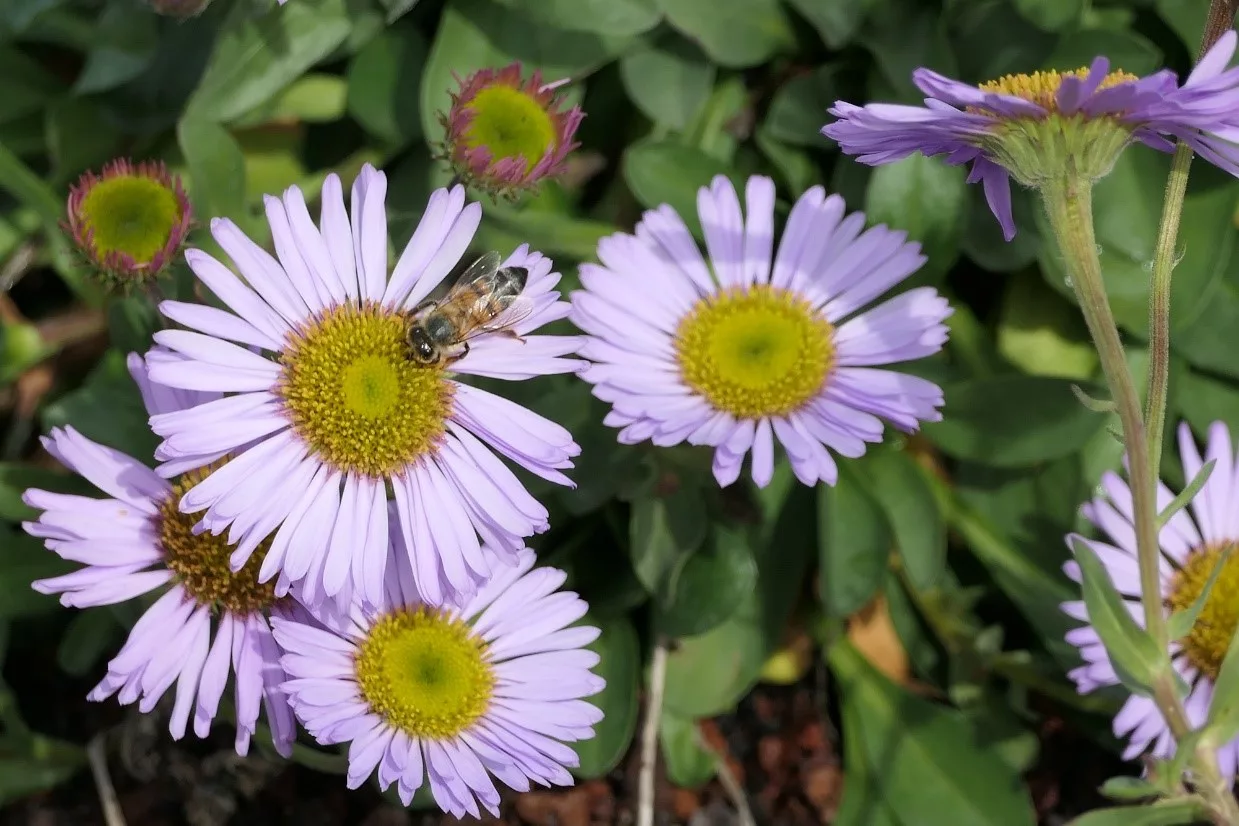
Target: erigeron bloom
[(505, 134), (1037, 127), (755, 345), (326, 411), (208, 623), (128, 222), (450, 696), (1191, 543)]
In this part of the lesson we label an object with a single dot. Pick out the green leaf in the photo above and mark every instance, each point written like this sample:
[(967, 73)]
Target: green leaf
[(1187, 18), (1013, 420), (379, 78), (216, 167), (23, 559), (125, 37), (734, 33), (689, 764), (670, 173), (257, 56), (30, 190), (620, 666), (663, 532), (1180, 623), (478, 34), (108, 387), (1128, 788), (1186, 495), (1128, 51), (798, 110), (16, 478), (1051, 15), (669, 80), (926, 761), (906, 36), (90, 636), (836, 21), (552, 233), (983, 241), (1203, 400), (898, 484), (1133, 653), (1043, 334), (80, 135), (614, 17), (25, 86), (1162, 813), (706, 587), (707, 674), (927, 198), (854, 544), (25, 774)]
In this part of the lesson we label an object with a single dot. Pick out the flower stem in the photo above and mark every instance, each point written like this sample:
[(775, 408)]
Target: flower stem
[(1068, 204), (1221, 16)]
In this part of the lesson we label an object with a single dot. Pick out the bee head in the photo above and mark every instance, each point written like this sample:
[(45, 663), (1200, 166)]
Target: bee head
[(421, 348)]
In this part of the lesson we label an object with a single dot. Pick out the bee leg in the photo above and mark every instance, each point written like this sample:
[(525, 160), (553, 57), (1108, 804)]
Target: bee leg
[(457, 354), (512, 334)]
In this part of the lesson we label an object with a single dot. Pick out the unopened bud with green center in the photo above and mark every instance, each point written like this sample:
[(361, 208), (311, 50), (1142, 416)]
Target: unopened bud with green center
[(1057, 145), (504, 134), (129, 222)]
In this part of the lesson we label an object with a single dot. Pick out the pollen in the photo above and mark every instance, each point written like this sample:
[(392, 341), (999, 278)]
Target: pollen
[(1209, 640), (1042, 88), (511, 124), (755, 352), (356, 398), (425, 673), (200, 561)]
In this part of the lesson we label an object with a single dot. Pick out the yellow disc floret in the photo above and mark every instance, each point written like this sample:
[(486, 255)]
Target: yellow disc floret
[(130, 214), (1209, 639), (1041, 88), (511, 124), (354, 395), (425, 673), (756, 351), (200, 562)]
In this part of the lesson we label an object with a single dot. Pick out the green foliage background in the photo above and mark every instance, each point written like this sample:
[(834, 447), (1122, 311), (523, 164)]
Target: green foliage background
[(961, 529)]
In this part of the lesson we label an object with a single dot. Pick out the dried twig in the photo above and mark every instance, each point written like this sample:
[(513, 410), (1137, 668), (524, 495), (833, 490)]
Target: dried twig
[(649, 735), (727, 778), (112, 814)]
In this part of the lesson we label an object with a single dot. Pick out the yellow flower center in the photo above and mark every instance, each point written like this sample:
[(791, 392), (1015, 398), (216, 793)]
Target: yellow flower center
[(1041, 88), (356, 397), (510, 124), (756, 351), (1210, 637), (425, 673), (130, 214), (200, 562)]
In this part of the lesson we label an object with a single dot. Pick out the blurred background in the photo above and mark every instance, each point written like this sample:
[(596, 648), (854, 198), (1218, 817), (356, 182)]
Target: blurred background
[(889, 651)]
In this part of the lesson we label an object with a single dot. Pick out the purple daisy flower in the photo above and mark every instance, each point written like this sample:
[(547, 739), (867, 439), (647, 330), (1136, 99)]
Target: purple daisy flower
[(326, 407), (1003, 127), (1191, 545), (455, 696), (208, 623), (754, 345)]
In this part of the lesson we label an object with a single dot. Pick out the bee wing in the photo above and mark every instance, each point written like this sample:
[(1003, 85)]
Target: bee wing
[(519, 308), (482, 269)]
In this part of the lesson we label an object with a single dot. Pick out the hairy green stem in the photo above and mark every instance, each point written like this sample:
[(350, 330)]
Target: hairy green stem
[(1068, 204), (1221, 16)]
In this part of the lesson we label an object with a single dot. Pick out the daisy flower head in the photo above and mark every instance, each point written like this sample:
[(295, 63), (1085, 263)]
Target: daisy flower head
[(129, 221), (450, 695), (505, 134), (209, 622), (325, 409), (758, 344), (1192, 543), (1042, 126)]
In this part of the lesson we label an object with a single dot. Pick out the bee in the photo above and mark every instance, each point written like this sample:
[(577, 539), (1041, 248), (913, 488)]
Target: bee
[(485, 299)]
